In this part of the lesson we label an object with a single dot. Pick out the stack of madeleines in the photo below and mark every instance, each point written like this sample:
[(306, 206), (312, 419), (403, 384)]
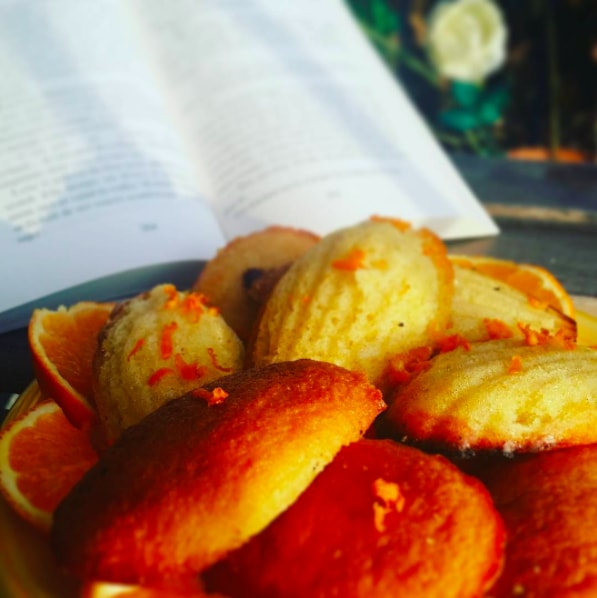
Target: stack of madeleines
[(353, 415)]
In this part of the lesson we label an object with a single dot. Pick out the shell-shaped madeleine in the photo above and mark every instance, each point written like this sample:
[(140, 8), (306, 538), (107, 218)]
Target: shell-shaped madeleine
[(222, 279), (155, 347), (548, 502), (484, 308), (205, 472), (359, 296), (381, 520), (504, 395)]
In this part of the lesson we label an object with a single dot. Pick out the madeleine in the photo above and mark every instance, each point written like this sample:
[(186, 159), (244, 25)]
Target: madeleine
[(381, 520), (203, 473), (548, 502), (224, 280), (504, 395), (155, 347), (359, 296)]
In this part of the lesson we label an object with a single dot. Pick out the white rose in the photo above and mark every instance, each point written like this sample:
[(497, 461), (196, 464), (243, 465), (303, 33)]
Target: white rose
[(467, 39)]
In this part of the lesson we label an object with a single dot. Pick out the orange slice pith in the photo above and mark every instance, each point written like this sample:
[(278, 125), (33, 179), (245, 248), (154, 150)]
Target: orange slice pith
[(62, 343), (533, 280), (42, 456)]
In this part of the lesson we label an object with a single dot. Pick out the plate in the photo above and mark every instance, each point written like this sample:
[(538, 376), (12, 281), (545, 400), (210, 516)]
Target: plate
[(28, 568)]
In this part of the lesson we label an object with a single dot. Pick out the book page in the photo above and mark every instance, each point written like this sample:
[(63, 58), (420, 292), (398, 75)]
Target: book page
[(293, 119), (92, 179)]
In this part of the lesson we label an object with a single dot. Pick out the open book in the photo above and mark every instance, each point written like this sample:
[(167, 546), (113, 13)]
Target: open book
[(137, 136)]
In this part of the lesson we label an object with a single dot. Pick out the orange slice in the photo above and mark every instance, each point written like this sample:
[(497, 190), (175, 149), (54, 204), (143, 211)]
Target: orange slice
[(533, 280), (42, 456), (62, 344)]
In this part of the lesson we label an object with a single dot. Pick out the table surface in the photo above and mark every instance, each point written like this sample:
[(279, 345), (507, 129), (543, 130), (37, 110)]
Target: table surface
[(547, 214)]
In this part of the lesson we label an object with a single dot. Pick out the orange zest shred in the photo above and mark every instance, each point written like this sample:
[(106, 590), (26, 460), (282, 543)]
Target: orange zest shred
[(171, 297), (189, 371), (497, 329), (543, 337), (563, 339), (219, 394), (190, 304), (193, 306), (379, 517), (158, 375), (215, 397), (515, 366), (453, 341), (166, 344), (388, 499), (138, 346), (214, 360), (351, 262), (533, 337), (402, 367)]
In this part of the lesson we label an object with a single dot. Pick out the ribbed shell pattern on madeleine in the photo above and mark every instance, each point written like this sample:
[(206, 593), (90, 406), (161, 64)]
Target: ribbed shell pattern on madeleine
[(359, 296), (514, 397)]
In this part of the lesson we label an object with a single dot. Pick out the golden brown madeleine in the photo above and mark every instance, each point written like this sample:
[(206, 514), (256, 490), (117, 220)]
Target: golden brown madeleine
[(382, 519), (222, 279), (156, 347), (205, 472), (502, 395), (549, 505), (484, 308), (359, 296)]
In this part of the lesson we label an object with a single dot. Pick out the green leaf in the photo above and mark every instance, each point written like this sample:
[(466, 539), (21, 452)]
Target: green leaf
[(492, 105), (460, 119), (385, 20), (465, 94)]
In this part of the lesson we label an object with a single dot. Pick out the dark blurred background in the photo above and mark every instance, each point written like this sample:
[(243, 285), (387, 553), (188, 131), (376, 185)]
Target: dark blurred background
[(539, 102)]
